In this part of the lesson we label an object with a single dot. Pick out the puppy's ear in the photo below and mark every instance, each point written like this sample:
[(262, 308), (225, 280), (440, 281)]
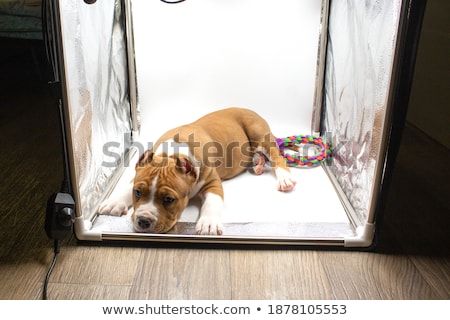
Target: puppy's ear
[(186, 167), (145, 158)]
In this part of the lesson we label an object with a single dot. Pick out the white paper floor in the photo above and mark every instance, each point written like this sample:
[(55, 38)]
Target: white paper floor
[(252, 199)]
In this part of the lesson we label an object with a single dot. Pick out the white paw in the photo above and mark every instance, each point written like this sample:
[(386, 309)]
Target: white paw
[(113, 207), (285, 180), (209, 225)]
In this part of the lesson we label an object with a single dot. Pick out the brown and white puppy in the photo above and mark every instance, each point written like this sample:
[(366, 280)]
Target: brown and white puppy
[(193, 160)]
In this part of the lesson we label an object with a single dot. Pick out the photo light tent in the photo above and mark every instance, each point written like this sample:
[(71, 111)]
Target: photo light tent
[(129, 70)]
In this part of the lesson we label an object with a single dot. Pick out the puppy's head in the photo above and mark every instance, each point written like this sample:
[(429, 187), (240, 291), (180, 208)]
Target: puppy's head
[(161, 191)]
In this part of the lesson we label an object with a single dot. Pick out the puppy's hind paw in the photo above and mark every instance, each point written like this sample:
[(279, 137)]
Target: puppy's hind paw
[(285, 180)]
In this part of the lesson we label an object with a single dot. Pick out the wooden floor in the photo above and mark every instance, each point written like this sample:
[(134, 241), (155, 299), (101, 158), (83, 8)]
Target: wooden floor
[(411, 261)]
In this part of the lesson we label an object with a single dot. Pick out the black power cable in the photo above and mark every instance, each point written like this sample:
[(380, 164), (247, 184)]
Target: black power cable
[(172, 2), (60, 214), (59, 222), (52, 265)]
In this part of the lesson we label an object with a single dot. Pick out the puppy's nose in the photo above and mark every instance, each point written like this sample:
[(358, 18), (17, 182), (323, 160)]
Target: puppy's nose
[(144, 222)]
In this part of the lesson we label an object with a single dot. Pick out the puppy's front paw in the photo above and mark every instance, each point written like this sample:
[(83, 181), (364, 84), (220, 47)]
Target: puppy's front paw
[(112, 207), (209, 225), (285, 180)]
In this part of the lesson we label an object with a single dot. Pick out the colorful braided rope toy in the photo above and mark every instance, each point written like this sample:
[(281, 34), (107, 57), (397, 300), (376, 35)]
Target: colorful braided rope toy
[(295, 159)]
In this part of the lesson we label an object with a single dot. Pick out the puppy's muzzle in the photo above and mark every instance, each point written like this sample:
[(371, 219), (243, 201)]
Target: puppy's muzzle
[(144, 222)]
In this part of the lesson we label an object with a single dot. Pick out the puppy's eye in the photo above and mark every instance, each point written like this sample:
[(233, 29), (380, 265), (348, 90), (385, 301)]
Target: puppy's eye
[(168, 200), (137, 194)]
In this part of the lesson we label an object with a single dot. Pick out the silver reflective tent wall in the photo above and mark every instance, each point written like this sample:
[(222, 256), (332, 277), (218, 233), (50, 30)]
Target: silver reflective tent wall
[(128, 70)]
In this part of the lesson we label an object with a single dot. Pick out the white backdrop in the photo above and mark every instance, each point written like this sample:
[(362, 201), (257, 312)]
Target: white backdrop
[(202, 55)]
